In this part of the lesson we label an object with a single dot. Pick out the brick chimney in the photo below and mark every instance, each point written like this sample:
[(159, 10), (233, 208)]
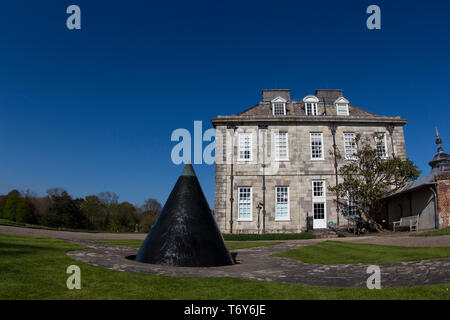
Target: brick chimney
[(270, 94)]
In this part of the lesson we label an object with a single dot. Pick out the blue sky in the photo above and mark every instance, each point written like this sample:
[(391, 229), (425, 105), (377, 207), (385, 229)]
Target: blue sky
[(93, 110)]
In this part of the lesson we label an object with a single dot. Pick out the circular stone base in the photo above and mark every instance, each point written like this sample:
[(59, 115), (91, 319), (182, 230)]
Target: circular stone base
[(256, 264)]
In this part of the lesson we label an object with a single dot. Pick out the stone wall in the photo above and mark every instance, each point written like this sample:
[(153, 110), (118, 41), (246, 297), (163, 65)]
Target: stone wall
[(297, 172), (443, 193)]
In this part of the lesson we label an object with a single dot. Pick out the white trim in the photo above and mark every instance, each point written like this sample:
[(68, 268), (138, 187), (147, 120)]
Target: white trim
[(278, 99), (238, 204), (276, 144), (311, 98), (345, 149), (319, 199), (314, 109), (288, 205), (341, 100), (239, 158), (386, 154), (321, 146), (344, 103), (273, 108)]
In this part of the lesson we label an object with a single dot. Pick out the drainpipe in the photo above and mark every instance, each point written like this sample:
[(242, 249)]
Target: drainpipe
[(390, 129), (264, 127), (231, 176), (436, 212), (333, 128)]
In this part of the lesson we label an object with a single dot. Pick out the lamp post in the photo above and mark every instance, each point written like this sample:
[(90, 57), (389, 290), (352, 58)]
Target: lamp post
[(259, 207)]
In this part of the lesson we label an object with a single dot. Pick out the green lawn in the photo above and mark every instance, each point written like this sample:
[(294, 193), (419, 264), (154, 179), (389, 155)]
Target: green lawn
[(441, 232), (231, 245), (332, 252), (267, 236), (35, 268)]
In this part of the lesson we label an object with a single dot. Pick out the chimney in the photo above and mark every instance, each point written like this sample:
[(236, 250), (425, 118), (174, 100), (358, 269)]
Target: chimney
[(328, 95), (270, 94)]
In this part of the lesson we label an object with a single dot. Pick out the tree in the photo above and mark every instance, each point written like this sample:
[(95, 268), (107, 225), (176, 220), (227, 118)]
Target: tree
[(150, 211), (11, 204), (369, 176), (55, 192), (123, 217), (65, 212), (108, 198), (95, 212), (26, 211)]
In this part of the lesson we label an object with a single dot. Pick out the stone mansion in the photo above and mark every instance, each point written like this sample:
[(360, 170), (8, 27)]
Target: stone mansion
[(275, 160)]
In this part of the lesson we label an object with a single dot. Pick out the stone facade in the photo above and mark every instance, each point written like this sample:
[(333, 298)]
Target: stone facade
[(299, 170)]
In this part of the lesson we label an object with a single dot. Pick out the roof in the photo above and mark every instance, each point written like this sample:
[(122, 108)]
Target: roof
[(295, 110)]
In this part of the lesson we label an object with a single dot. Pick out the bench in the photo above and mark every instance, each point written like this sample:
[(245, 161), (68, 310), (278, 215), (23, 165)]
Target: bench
[(412, 222)]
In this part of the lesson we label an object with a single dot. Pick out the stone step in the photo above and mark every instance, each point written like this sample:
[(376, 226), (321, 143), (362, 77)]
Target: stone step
[(324, 233)]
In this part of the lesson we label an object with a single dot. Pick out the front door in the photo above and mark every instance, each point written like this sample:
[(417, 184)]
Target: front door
[(319, 204), (320, 215)]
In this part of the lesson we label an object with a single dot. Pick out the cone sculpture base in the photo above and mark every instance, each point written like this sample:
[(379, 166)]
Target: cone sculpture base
[(185, 233)]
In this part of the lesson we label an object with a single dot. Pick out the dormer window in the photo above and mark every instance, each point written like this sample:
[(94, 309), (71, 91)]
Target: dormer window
[(311, 105), (341, 106), (279, 106)]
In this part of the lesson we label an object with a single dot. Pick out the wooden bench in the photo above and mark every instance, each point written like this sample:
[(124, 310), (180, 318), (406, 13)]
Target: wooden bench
[(412, 222)]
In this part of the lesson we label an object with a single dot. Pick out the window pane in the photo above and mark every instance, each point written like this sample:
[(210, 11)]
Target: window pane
[(282, 202), (311, 109), (318, 189), (281, 146), (381, 145), (319, 210), (245, 146), (244, 204), (342, 109), (279, 109), (316, 145), (350, 145)]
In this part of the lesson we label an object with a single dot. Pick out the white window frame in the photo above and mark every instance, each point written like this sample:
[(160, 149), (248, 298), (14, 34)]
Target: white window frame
[(353, 205), (243, 148), (342, 112), (282, 218), (278, 104), (384, 142), (311, 134), (314, 111), (277, 146), (319, 199), (313, 100), (239, 203), (279, 101), (341, 102), (346, 146)]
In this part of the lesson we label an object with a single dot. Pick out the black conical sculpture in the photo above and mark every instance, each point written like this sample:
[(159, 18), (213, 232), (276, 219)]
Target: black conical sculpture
[(185, 233)]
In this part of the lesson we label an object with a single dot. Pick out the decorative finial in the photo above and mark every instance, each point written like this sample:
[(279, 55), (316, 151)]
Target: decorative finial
[(439, 141)]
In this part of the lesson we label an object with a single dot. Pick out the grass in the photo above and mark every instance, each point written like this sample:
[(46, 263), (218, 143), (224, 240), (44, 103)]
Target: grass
[(35, 268), (230, 245), (268, 236), (441, 232), (334, 252), (11, 223)]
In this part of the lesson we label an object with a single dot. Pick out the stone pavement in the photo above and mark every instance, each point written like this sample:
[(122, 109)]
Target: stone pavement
[(256, 264)]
